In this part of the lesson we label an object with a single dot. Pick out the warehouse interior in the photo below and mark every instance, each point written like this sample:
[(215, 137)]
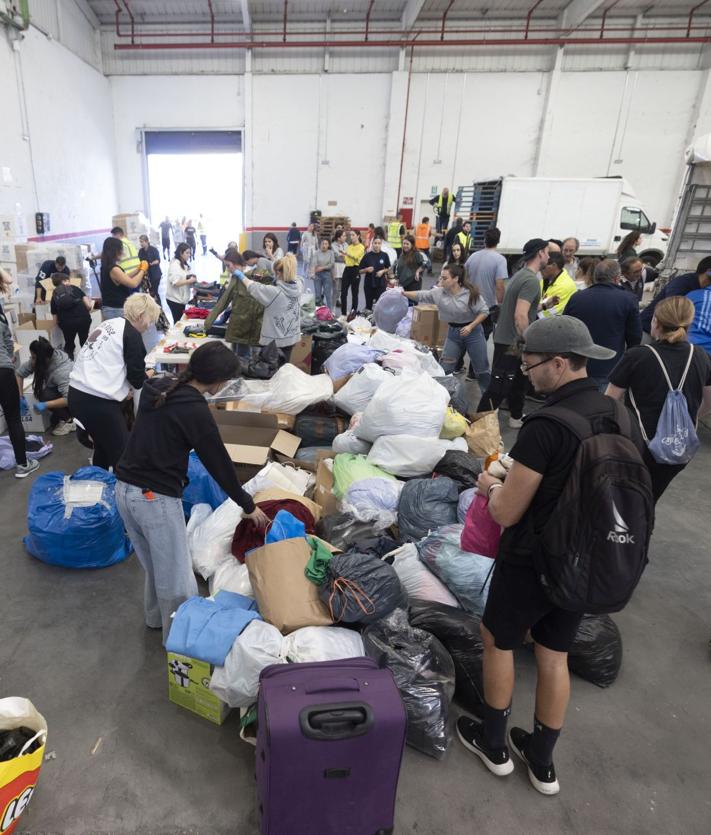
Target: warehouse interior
[(258, 113)]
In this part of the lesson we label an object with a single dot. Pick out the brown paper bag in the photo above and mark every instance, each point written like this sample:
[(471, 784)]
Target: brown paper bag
[(286, 599), (483, 434)]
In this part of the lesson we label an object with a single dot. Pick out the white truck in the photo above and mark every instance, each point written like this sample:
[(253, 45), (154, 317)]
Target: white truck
[(598, 211), (690, 239)]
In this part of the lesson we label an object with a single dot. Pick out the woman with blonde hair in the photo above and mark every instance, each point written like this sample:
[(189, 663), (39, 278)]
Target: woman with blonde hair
[(109, 368), (646, 373), (282, 311)]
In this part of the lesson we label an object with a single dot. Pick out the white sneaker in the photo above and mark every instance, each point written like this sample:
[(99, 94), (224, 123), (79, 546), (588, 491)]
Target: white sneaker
[(515, 423), (62, 428), (30, 467)]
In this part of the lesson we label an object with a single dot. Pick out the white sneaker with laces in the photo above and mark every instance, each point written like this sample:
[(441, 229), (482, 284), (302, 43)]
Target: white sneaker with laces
[(515, 423), (62, 428)]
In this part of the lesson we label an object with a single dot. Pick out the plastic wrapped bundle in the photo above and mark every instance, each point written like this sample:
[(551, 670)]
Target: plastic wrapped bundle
[(360, 588), (291, 391), (409, 456), (466, 497), (424, 673), (596, 654), (389, 310), (459, 633), (73, 521), (373, 500), (425, 505), (466, 575), (342, 530), (417, 580), (349, 358), (461, 467)]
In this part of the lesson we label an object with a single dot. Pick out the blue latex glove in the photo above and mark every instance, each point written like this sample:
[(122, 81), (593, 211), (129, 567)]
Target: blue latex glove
[(40, 407), (238, 274), (24, 408)]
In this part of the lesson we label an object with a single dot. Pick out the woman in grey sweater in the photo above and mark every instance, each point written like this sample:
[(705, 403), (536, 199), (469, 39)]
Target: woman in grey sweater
[(282, 309), (323, 271), (462, 307)]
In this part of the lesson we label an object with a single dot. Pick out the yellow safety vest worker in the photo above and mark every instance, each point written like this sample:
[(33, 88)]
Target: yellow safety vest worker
[(130, 260), (438, 204), (394, 238), (422, 236), (464, 240)]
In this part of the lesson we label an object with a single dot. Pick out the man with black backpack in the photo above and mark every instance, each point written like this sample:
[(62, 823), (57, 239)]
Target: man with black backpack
[(577, 513), (71, 310)]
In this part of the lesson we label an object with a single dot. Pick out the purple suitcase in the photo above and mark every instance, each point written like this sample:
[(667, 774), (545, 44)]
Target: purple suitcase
[(330, 740)]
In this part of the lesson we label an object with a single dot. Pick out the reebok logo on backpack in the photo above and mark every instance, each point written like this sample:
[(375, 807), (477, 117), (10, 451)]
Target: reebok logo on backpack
[(593, 549)]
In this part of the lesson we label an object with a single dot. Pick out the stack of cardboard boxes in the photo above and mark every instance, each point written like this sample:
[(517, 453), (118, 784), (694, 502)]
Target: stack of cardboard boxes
[(426, 327), (135, 224)]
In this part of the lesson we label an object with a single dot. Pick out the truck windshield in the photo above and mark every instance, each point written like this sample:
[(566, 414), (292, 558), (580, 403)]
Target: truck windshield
[(634, 218)]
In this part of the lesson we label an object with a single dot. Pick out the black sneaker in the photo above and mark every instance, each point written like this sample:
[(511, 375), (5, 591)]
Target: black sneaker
[(470, 732), (542, 777)]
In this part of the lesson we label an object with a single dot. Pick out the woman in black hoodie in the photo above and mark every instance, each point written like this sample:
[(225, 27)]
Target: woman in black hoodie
[(174, 418)]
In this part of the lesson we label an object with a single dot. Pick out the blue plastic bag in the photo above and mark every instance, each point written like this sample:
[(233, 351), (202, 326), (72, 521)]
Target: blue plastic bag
[(75, 536), (284, 526), (202, 487), (206, 629), (349, 358)]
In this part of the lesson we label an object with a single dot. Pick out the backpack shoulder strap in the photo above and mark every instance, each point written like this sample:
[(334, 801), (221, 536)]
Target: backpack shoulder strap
[(578, 424), (664, 368)]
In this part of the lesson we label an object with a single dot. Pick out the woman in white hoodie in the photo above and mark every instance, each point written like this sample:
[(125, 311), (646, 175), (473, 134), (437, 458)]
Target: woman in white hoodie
[(282, 308)]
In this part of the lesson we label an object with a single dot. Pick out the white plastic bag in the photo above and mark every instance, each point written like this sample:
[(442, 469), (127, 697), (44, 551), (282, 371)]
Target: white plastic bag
[(359, 390), (390, 308), (373, 500), (231, 575), (347, 359), (404, 326), (390, 342), (198, 514), (322, 643), (360, 325), (279, 475), (237, 683), (417, 580), (211, 539), (398, 360), (348, 442), (410, 456), (291, 391), (409, 403)]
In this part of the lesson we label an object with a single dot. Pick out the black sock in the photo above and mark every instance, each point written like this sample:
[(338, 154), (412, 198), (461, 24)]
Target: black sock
[(542, 742), (495, 726)]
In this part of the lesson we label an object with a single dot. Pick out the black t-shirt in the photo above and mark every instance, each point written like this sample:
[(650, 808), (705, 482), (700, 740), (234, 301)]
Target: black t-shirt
[(112, 295), (67, 305), (189, 233), (165, 229), (150, 254), (549, 448), (378, 260), (639, 370), (47, 270)]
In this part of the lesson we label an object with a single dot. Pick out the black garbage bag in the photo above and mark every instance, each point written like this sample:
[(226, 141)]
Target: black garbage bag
[(462, 467), (265, 364), (596, 654), (326, 339), (318, 430), (361, 588), (459, 633), (424, 673), (426, 504), (376, 546), (342, 530), (456, 388), (13, 741)]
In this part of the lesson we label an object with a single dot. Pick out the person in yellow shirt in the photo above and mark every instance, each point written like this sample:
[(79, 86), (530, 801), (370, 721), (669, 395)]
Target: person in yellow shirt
[(351, 274), (557, 286)]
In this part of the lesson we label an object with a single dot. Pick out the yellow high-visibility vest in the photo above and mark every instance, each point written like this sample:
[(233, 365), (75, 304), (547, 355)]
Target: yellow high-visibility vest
[(130, 261), (438, 204), (394, 238)]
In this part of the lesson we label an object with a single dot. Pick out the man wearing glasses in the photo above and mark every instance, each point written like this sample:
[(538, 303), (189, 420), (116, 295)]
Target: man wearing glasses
[(517, 311), (554, 358)]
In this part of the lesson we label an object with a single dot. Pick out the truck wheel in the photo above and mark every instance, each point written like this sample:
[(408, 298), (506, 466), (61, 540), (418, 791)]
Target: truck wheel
[(651, 258)]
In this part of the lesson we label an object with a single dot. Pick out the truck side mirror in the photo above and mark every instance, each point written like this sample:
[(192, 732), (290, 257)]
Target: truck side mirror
[(652, 229)]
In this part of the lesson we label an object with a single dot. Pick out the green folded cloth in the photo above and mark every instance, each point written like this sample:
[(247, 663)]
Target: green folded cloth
[(318, 563)]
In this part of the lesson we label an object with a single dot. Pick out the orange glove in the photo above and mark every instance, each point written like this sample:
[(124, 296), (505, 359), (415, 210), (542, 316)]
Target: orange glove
[(144, 266)]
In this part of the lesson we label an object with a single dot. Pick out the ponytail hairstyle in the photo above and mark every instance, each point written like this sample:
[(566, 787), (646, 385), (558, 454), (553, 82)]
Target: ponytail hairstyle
[(458, 272), (42, 351), (211, 363), (674, 316)]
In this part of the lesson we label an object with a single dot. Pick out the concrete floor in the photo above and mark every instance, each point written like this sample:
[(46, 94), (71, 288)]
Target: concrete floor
[(633, 759)]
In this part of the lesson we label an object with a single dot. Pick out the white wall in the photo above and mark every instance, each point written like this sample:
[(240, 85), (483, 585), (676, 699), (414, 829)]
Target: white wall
[(67, 138), (164, 102)]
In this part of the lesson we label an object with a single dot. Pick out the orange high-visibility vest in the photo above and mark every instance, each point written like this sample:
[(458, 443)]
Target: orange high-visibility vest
[(422, 236)]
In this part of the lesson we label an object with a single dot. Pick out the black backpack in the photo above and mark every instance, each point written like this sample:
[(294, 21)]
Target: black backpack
[(65, 299), (593, 548)]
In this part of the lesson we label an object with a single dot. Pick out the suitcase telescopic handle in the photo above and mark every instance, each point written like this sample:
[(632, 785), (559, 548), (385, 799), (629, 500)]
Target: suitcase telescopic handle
[(330, 722)]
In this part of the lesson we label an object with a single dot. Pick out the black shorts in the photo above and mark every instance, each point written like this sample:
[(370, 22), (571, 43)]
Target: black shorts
[(517, 603)]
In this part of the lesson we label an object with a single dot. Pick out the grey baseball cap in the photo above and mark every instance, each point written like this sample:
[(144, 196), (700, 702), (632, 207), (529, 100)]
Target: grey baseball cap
[(563, 335)]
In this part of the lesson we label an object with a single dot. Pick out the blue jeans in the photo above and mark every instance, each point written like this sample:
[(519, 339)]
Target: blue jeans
[(323, 289), (156, 528), (475, 345), (111, 313)]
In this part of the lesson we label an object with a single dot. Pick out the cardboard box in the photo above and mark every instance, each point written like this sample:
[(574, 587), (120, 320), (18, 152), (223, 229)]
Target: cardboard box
[(284, 421), (49, 287), (425, 324), (442, 331), (20, 258), (34, 422), (188, 686), (251, 440), (301, 354)]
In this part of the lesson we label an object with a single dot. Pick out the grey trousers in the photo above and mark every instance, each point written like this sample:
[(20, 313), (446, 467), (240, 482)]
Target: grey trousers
[(156, 528)]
